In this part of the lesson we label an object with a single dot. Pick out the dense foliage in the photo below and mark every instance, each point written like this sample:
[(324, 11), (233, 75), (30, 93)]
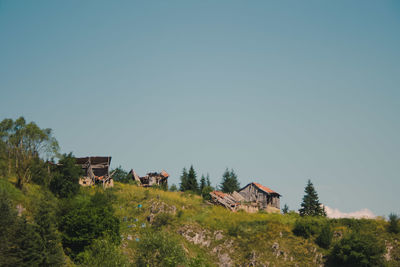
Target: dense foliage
[(21, 144), (65, 182), (358, 249), (229, 182), (311, 205), (85, 219), (394, 226)]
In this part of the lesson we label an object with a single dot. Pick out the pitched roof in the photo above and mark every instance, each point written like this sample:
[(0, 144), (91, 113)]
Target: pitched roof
[(262, 188), (164, 174), (219, 193)]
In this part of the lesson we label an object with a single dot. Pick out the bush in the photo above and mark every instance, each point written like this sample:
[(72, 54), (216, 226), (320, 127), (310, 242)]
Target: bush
[(324, 238), (393, 226), (205, 193), (357, 249), (162, 219), (307, 226), (103, 252), (159, 249)]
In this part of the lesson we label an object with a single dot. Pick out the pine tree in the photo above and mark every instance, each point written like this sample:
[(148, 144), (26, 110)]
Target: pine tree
[(203, 183), (230, 182), (208, 180), (285, 209), (184, 180), (311, 205), (192, 181)]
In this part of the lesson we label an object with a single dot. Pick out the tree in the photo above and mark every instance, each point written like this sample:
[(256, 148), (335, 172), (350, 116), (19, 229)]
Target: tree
[(20, 242), (229, 182), (203, 183), (285, 209), (120, 175), (184, 180), (83, 220), (192, 184), (208, 180), (65, 182), (311, 205), (40, 172), (45, 219), (173, 188), (393, 226), (23, 143)]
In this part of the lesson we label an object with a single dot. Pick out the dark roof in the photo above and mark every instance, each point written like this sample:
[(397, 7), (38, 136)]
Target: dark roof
[(94, 160), (262, 188)]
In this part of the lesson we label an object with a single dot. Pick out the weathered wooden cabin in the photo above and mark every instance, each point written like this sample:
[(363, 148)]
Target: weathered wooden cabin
[(151, 178), (96, 171), (264, 197)]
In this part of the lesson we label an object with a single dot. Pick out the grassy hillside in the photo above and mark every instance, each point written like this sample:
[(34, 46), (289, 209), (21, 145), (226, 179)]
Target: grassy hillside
[(211, 235), (220, 237)]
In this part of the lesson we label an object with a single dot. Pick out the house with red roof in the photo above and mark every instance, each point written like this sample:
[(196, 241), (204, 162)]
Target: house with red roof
[(251, 198), (262, 196)]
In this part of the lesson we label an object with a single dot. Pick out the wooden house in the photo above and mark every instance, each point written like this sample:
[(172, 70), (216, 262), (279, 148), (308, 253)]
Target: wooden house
[(96, 170), (264, 197)]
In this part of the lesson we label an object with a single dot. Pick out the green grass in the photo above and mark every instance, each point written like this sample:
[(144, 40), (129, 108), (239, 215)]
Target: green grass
[(251, 235)]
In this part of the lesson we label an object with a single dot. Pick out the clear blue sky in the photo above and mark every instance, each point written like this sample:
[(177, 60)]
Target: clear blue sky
[(280, 91)]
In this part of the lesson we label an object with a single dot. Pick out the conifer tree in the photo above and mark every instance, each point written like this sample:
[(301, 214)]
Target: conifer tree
[(230, 182), (285, 209), (192, 181), (311, 205), (208, 180), (203, 183), (184, 180)]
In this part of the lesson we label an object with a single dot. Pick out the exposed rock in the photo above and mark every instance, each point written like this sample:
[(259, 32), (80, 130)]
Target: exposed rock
[(20, 209), (218, 235), (389, 248), (197, 237)]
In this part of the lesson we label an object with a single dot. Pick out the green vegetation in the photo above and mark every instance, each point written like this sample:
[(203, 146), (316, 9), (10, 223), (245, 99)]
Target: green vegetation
[(311, 205), (47, 219), (65, 182), (393, 226), (358, 249), (229, 182)]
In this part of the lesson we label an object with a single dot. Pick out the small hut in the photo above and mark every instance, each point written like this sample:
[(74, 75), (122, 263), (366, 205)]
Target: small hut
[(96, 171)]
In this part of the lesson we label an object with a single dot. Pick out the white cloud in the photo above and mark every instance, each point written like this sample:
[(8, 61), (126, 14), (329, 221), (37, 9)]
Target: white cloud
[(335, 213)]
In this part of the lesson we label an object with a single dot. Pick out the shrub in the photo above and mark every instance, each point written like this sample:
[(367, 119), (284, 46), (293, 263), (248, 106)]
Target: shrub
[(357, 249), (159, 249), (205, 193), (324, 238), (307, 226), (162, 219), (103, 252)]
